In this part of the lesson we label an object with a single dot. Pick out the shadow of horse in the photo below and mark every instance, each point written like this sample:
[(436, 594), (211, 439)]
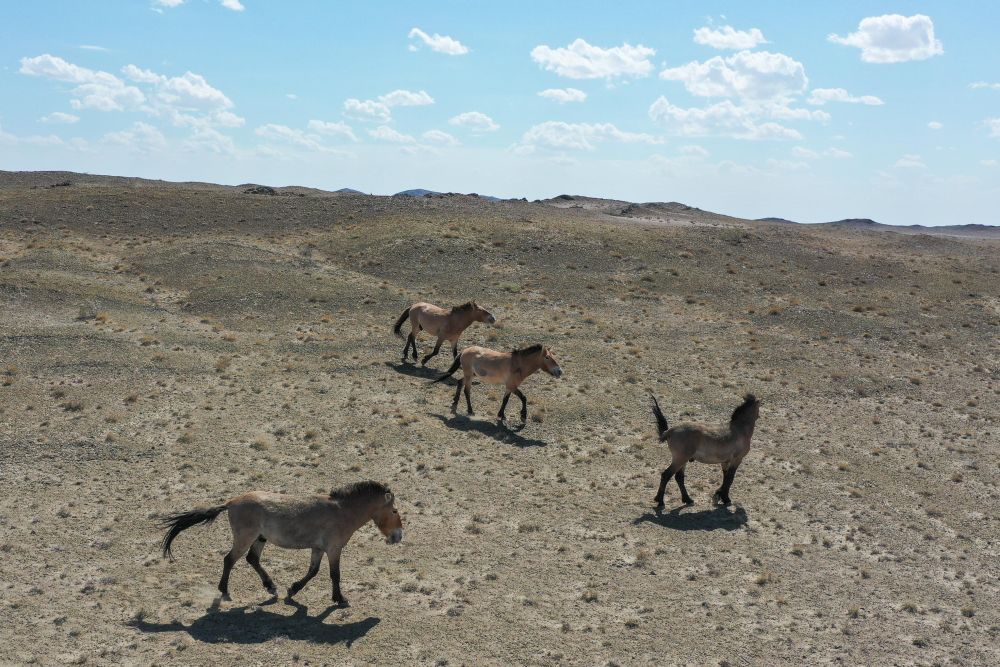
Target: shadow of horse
[(415, 370), (239, 625), (719, 518), (499, 432)]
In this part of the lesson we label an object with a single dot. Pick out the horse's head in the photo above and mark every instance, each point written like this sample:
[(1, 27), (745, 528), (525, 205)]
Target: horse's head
[(483, 315), (549, 363), (387, 518), (748, 411)]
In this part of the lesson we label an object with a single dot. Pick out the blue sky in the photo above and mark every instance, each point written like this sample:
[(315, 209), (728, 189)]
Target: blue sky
[(809, 111)]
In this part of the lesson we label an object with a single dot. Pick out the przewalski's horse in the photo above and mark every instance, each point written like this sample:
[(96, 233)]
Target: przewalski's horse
[(321, 523), (445, 323), (691, 442), (507, 368)]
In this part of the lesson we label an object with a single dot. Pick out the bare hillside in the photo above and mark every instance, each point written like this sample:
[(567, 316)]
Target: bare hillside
[(167, 346)]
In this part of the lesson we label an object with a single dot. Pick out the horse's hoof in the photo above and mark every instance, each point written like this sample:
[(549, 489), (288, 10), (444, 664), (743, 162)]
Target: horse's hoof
[(688, 501), (342, 602), (225, 597), (272, 590)]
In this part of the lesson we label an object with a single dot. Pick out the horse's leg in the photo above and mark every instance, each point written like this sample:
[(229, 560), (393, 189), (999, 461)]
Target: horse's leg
[(413, 339), (467, 384), (317, 558), (458, 395), (685, 498), (253, 557), (334, 556), (727, 481), (454, 350), (241, 544), (664, 478), (503, 406), (524, 405), (406, 348), (437, 348)]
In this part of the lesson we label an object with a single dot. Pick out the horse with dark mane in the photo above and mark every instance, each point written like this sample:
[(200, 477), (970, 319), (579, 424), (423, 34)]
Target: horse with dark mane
[(693, 442), (323, 523), (445, 323), (507, 368)]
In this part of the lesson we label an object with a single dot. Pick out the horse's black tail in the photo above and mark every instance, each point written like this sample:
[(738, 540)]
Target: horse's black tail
[(661, 421), (399, 323), (451, 371), (180, 522)]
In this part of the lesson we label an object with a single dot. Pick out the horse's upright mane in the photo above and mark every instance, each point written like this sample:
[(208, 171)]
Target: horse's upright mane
[(748, 402), (359, 491), (531, 349), (468, 305)]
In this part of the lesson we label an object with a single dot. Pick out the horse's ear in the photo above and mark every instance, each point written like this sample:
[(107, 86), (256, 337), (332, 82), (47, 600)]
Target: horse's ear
[(388, 497)]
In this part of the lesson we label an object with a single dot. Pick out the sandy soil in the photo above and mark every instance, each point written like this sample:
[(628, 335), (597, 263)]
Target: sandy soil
[(164, 347)]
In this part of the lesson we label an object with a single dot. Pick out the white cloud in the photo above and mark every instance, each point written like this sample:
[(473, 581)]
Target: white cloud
[(722, 119), (994, 125), (333, 129), (59, 117), (439, 43), (893, 38), (406, 98), (291, 96), (94, 89), (211, 140), (563, 95), (824, 95), (693, 150), (8, 139), (727, 37), (93, 47), (185, 100), (988, 163), (295, 137), (475, 121), (580, 60), (579, 136), (234, 5), (934, 125), (386, 133), (141, 137), (439, 137), (810, 154), (367, 110), (747, 74), (984, 84), (910, 161)]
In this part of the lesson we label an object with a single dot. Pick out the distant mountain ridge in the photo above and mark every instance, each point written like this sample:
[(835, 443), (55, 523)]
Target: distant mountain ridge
[(665, 212)]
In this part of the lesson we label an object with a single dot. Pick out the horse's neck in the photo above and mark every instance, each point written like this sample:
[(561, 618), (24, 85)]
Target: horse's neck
[(465, 319), (744, 430), (528, 365), (358, 515)]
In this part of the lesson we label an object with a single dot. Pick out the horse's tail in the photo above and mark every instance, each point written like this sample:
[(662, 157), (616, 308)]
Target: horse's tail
[(661, 421), (184, 520), (451, 371), (399, 323)]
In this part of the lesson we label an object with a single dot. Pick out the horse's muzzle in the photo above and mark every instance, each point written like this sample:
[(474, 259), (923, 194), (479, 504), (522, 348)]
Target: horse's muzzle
[(492, 320), (395, 537), (556, 372)]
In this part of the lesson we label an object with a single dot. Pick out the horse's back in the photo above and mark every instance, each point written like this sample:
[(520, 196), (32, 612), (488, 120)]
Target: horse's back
[(294, 522)]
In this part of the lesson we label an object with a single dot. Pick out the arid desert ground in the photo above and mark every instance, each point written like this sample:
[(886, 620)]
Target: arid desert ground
[(166, 346)]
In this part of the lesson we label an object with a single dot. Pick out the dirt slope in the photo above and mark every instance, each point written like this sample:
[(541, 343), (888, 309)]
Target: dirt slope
[(166, 346)]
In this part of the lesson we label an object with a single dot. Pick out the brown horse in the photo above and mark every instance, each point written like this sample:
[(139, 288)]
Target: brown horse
[(321, 523), (507, 368), (691, 442), (445, 323)]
